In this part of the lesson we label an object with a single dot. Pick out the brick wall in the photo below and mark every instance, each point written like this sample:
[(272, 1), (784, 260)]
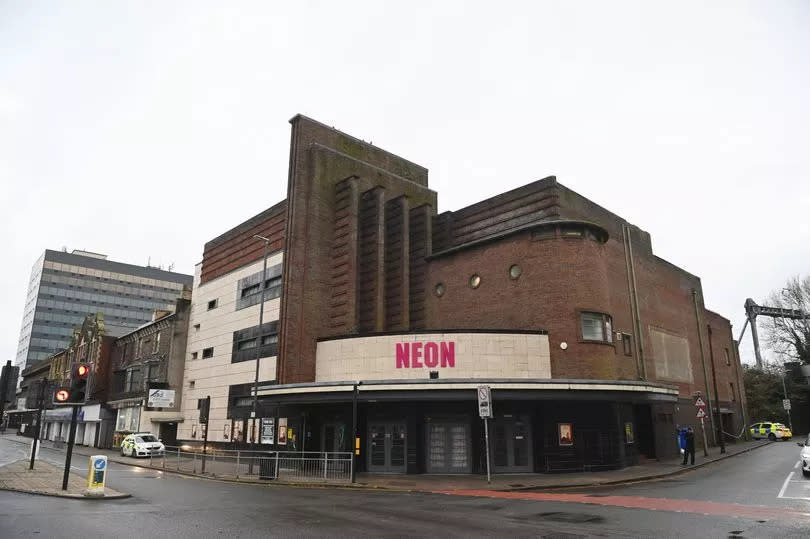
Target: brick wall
[(238, 247), (334, 177)]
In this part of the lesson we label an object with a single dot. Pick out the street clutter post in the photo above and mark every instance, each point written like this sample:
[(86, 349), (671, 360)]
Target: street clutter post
[(71, 439), (485, 411), (700, 404), (41, 394), (355, 438), (96, 476), (204, 410)]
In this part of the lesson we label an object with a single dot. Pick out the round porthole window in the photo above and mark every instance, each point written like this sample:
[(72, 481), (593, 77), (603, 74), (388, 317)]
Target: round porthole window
[(475, 281), (514, 271), (440, 289)]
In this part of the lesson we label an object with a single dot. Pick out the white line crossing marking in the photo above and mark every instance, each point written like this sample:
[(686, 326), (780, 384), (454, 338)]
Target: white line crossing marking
[(785, 485), (798, 463)]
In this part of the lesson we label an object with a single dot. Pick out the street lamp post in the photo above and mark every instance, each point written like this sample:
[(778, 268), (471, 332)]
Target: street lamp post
[(262, 282), (784, 389)]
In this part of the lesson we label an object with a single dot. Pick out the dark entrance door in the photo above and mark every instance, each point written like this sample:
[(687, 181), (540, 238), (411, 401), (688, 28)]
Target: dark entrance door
[(511, 440), (168, 433), (334, 438), (387, 447), (644, 434), (448, 447)]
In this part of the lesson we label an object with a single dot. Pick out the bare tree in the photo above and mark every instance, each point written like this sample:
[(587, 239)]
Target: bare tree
[(790, 338)]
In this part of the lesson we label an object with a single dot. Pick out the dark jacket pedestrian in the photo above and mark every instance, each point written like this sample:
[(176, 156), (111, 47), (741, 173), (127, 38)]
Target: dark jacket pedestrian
[(689, 450)]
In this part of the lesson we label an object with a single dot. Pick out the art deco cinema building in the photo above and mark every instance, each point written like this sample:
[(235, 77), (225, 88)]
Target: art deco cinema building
[(593, 346)]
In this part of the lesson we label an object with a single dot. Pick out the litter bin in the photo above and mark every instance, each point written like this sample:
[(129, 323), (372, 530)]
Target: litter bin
[(267, 467)]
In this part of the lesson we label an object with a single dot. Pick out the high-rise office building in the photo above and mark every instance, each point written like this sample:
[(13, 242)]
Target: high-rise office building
[(65, 287)]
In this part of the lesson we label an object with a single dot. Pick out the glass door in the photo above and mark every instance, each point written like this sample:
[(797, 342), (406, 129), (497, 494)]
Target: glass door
[(448, 448), (388, 447)]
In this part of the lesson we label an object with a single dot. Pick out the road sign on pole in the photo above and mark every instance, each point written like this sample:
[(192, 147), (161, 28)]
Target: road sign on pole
[(700, 403), (786, 404), (701, 413), (484, 401), (485, 411)]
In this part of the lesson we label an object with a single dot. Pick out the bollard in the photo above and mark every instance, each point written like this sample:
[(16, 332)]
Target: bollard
[(96, 476)]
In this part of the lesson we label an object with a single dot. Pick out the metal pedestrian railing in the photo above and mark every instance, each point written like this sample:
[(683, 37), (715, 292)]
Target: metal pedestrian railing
[(293, 466)]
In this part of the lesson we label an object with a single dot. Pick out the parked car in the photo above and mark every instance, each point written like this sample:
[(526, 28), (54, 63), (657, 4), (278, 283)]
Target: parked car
[(804, 455), (770, 430), (141, 444)]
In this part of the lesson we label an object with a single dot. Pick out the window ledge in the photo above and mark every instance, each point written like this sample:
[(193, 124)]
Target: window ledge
[(592, 341)]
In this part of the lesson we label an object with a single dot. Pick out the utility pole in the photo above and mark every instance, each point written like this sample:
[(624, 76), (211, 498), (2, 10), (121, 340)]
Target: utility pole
[(784, 389), (254, 435)]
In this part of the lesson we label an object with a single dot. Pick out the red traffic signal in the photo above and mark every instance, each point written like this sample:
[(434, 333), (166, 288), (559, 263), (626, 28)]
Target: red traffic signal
[(61, 396), (78, 383)]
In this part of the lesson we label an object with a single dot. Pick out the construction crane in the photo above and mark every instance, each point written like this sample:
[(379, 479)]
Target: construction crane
[(752, 310)]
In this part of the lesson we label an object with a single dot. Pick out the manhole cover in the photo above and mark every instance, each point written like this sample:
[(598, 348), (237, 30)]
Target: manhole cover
[(578, 518)]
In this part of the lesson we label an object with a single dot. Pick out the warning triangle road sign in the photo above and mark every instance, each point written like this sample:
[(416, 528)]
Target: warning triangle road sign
[(701, 413), (700, 403)]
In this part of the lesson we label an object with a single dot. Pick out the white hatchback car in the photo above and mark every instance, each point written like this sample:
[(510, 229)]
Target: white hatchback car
[(804, 455), (141, 444)]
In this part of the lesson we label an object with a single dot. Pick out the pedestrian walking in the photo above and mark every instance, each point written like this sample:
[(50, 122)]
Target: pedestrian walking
[(689, 450)]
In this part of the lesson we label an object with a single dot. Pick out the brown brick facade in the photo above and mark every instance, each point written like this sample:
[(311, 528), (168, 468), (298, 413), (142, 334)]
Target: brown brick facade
[(364, 252)]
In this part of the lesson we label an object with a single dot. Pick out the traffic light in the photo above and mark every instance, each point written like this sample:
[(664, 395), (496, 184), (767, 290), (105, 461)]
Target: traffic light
[(78, 383), (61, 396)]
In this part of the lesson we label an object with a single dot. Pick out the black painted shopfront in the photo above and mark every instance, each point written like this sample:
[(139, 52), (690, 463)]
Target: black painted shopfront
[(440, 432)]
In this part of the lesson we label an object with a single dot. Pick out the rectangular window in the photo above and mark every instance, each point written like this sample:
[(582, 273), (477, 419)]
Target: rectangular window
[(153, 372), (134, 380), (596, 327), (194, 355), (731, 387), (728, 358), (627, 344), (250, 290), (191, 384), (212, 304), (247, 344), (157, 344), (208, 352), (246, 340)]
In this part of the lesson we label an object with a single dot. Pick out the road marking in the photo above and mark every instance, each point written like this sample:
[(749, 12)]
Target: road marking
[(798, 463), (785, 485)]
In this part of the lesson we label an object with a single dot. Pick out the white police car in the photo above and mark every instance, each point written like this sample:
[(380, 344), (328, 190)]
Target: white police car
[(141, 444), (804, 455)]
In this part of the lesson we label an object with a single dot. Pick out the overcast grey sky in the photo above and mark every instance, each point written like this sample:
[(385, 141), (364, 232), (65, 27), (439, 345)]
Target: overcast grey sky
[(144, 129)]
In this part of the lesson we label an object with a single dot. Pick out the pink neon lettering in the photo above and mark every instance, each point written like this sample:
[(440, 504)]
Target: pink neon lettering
[(403, 355), (416, 355), (431, 354), (449, 354)]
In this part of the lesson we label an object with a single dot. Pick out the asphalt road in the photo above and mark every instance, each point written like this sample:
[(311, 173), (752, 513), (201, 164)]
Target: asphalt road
[(741, 495)]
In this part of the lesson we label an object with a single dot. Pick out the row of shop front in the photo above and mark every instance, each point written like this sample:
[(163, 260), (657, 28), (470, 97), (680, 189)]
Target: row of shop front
[(435, 428), (99, 426)]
